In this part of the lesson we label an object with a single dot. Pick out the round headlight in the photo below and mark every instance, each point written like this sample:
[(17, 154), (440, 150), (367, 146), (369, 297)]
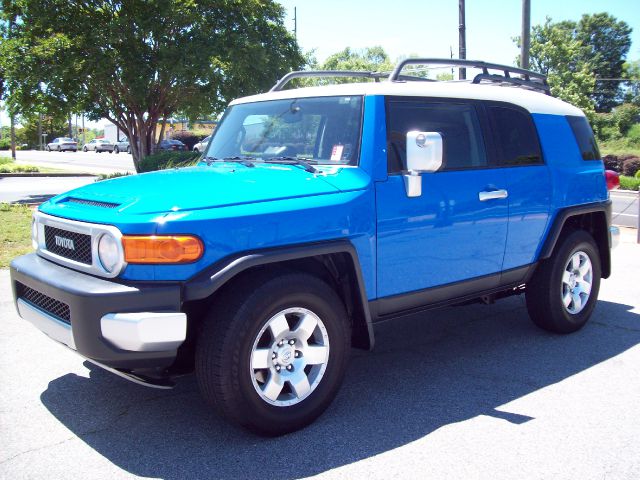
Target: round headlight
[(34, 233), (108, 252)]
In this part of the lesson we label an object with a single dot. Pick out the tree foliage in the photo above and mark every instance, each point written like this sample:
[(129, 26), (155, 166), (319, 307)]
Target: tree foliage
[(372, 59), (575, 55), (137, 62), (607, 42)]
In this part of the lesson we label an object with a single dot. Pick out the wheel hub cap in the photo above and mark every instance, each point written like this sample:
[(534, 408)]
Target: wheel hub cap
[(289, 357), (576, 282)]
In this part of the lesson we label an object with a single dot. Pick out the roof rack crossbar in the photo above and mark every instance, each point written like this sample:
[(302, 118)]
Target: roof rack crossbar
[(325, 74), (532, 84), (534, 80)]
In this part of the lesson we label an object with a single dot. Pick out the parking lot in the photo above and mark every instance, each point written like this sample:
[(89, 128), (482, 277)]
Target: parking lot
[(464, 392)]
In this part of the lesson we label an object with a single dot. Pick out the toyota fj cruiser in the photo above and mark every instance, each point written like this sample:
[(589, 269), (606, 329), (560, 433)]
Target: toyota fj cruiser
[(313, 214)]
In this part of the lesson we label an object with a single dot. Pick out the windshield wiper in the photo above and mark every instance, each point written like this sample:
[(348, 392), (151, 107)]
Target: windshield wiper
[(244, 160), (288, 160)]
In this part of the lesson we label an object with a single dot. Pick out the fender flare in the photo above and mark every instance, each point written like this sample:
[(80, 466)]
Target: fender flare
[(213, 278)]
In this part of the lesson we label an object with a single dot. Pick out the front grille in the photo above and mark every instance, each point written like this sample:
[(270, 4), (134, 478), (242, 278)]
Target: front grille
[(53, 307), (71, 245), (93, 203)]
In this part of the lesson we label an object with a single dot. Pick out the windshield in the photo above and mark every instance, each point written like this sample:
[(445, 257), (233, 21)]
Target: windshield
[(324, 130), (66, 139)]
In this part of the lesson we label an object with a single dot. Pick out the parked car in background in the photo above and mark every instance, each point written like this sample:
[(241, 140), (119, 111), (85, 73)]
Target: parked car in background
[(62, 144), (99, 145), (122, 146), (171, 145), (202, 144)]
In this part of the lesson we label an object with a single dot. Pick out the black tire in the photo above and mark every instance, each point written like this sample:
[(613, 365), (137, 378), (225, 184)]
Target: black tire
[(196, 150), (223, 355), (116, 150), (545, 290), (129, 150), (59, 149), (84, 149)]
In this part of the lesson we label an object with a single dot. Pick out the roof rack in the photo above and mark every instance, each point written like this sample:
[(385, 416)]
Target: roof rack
[(377, 76), (323, 74), (533, 80), (529, 79)]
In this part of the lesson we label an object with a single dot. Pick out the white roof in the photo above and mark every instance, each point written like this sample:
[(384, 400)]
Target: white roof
[(533, 101)]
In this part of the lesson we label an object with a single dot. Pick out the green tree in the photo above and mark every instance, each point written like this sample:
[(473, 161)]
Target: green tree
[(136, 62), (372, 59), (595, 46), (556, 53), (632, 90), (607, 43)]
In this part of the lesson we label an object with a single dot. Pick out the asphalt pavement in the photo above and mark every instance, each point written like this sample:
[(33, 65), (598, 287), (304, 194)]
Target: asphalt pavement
[(37, 189), (624, 208), (472, 392)]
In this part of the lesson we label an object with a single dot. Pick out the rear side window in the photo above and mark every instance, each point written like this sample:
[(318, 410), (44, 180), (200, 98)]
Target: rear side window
[(584, 136), (463, 144), (516, 137)]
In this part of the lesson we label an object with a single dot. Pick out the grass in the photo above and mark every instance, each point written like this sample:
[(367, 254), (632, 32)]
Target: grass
[(629, 183), (7, 165), (15, 232)]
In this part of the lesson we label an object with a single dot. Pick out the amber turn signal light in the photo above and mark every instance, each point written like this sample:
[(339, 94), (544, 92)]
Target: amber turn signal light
[(162, 248)]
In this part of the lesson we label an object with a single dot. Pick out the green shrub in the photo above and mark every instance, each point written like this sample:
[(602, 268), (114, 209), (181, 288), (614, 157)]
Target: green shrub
[(10, 168), (629, 183), (5, 143), (164, 160), (638, 174), (109, 176)]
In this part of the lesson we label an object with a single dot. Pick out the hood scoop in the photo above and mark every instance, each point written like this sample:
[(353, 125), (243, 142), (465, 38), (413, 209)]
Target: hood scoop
[(93, 203)]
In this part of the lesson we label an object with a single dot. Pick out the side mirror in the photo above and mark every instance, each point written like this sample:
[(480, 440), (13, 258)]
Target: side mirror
[(424, 155)]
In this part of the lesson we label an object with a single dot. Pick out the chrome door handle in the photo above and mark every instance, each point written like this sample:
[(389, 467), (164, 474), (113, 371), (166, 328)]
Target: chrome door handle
[(492, 195)]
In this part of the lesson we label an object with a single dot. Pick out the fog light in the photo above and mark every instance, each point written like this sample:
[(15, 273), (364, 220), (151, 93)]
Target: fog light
[(108, 252)]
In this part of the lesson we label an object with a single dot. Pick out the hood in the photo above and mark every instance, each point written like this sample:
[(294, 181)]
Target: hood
[(194, 188)]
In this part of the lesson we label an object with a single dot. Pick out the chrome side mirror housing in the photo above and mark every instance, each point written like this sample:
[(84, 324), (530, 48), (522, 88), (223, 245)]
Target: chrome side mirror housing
[(424, 155)]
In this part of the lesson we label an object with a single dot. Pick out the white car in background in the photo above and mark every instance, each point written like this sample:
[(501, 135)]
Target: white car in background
[(99, 145), (202, 144), (62, 144)]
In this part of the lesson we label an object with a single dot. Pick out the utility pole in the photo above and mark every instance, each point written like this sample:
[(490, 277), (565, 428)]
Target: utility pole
[(40, 131), (13, 135), (525, 38), (84, 132), (462, 39), (70, 127), (295, 23)]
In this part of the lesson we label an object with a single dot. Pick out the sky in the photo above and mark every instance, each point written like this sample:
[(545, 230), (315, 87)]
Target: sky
[(429, 28)]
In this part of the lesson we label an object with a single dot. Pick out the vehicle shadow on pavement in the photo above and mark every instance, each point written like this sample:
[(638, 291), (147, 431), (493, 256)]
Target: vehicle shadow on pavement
[(427, 371)]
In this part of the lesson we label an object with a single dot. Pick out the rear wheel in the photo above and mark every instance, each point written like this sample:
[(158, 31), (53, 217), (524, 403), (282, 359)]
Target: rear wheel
[(564, 290), (129, 150), (116, 150), (59, 149), (272, 358)]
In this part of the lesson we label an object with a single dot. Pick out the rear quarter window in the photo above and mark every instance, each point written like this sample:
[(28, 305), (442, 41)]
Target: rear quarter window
[(584, 137), (516, 137)]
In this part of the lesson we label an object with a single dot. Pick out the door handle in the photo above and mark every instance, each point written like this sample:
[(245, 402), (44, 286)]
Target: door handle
[(492, 195)]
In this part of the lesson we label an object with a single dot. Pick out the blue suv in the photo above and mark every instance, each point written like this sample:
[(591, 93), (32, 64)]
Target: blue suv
[(313, 214)]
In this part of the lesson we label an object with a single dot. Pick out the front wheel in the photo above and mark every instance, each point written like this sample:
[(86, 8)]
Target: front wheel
[(564, 290), (116, 150), (272, 357), (84, 149)]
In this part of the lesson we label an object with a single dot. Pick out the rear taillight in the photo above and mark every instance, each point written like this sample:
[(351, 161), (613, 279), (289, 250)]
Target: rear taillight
[(613, 179)]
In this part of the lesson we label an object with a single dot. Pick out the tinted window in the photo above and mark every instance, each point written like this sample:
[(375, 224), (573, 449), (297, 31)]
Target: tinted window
[(584, 136), (458, 123), (516, 137)]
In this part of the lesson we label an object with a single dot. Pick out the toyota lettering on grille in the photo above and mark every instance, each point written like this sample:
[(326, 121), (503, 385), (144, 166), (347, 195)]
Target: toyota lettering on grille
[(64, 243)]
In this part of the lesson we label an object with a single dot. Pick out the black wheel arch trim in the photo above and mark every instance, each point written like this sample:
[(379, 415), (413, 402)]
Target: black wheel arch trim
[(213, 278), (561, 219)]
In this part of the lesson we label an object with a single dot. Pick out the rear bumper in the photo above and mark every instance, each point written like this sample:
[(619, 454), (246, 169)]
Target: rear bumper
[(134, 329)]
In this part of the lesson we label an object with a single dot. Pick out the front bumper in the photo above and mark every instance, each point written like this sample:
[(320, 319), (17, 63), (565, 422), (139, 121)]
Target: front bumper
[(134, 329)]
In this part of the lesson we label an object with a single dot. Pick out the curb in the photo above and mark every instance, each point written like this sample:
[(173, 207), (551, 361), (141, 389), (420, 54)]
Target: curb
[(626, 193), (41, 174)]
